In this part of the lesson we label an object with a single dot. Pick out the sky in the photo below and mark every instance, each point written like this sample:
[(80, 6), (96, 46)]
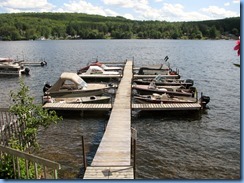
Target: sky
[(162, 10)]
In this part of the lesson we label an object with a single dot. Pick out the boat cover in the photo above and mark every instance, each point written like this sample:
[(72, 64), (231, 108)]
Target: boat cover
[(72, 77)]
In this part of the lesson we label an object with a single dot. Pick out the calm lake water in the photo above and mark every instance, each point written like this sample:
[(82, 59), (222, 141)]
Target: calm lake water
[(169, 146)]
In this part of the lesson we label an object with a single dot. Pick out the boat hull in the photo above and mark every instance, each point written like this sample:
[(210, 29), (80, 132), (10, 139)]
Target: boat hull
[(147, 82), (145, 90), (145, 99), (77, 93), (77, 100)]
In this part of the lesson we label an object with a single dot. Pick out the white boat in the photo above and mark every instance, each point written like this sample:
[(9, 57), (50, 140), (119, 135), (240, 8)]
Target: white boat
[(71, 85), (99, 64), (96, 70), (10, 67)]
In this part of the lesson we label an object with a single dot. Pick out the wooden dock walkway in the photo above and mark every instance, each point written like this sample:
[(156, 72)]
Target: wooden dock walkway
[(167, 107), (113, 157), (77, 107)]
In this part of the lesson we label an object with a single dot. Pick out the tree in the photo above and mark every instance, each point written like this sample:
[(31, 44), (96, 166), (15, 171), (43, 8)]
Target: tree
[(213, 33), (30, 116)]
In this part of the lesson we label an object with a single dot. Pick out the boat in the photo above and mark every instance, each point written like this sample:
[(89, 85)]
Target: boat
[(71, 85), (10, 67), (172, 90), (164, 98), (99, 64), (76, 100), (163, 81), (94, 70), (163, 69), (97, 74)]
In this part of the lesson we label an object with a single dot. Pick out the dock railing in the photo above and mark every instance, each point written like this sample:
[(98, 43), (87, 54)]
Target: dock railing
[(24, 162)]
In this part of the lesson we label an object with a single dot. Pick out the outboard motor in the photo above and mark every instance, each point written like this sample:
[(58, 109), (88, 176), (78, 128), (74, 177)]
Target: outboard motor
[(46, 87), (189, 82), (204, 100), (140, 72), (43, 63), (26, 71)]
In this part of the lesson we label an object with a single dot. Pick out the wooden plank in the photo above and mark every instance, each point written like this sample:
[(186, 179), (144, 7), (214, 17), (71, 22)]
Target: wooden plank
[(109, 173)]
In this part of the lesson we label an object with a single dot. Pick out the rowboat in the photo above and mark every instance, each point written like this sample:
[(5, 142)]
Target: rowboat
[(164, 98), (172, 90), (163, 81)]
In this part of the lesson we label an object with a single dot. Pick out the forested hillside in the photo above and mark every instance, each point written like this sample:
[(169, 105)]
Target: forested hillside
[(32, 26)]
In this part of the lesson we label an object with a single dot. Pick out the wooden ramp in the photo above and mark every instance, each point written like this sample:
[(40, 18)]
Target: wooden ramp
[(77, 107), (167, 107), (113, 157)]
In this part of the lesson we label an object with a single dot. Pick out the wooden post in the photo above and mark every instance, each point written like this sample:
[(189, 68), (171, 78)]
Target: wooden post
[(201, 101), (82, 113), (36, 171), (14, 166), (84, 153), (134, 159), (111, 100), (134, 137), (18, 167), (55, 174), (26, 169), (44, 172)]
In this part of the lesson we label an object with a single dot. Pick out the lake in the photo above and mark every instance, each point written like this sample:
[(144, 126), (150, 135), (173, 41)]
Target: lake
[(169, 146)]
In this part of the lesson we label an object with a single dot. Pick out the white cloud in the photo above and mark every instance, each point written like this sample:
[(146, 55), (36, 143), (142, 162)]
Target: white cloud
[(129, 16), (26, 5), (169, 12), (85, 7), (227, 4), (131, 9), (176, 12), (120, 3), (217, 12), (127, 3), (236, 1)]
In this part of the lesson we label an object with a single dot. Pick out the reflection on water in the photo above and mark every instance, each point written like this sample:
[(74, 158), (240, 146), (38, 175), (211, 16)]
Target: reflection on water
[(170, 145)]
